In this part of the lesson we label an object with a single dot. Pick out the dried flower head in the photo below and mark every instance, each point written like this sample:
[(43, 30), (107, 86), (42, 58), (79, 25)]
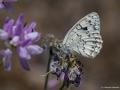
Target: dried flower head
[(65, 65)]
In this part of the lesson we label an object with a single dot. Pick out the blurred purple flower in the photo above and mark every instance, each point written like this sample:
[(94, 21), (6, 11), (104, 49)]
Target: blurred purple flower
[(53, 83), (6, 3), (22, 38)]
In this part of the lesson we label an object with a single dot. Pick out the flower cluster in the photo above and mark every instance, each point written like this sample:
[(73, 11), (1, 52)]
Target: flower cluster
[(65, 65), (21, 38)]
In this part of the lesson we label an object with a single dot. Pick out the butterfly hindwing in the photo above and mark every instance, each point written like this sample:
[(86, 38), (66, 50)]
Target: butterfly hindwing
[(84, 37)]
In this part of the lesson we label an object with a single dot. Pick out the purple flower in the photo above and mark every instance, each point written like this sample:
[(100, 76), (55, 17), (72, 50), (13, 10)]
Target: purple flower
[(6, 3), (20, 37)]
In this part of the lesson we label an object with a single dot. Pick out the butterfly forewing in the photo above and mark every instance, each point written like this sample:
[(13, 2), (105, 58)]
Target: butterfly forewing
[(84, 37)]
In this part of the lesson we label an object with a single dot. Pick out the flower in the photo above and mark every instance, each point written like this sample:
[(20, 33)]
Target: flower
[(6, 4), (65, 65), (53, 83), (20, 37)]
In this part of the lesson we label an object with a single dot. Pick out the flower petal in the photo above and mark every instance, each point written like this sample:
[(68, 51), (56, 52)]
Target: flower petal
[(15, 40), (23, 53), (30, 27), (34, 36), (18, 27), (53, 83), (20, 20), (7, 5), (7, 19), (1, 5), (8, 26), (17, 30), (62, 76), (24, 64), (34, 49), (7, 59), (3, 35), (25, 42)]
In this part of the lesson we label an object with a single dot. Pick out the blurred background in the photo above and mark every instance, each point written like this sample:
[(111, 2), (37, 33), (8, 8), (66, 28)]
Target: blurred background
[(57, 17)]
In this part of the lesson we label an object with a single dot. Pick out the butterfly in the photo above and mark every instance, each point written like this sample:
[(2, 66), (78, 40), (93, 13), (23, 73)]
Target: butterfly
[(84, 37)]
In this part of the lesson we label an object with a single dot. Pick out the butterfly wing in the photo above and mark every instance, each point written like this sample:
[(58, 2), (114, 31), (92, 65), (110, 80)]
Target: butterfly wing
[(84, 37)]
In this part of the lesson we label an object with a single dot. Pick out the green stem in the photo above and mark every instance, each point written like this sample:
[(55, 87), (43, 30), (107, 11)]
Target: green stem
[(63, 85)]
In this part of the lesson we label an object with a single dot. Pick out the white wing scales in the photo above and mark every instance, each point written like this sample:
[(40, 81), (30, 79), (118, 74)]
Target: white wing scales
[(84, 37)]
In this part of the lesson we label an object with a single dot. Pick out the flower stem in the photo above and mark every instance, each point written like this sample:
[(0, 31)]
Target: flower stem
[(63, 85), (47, 70)]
